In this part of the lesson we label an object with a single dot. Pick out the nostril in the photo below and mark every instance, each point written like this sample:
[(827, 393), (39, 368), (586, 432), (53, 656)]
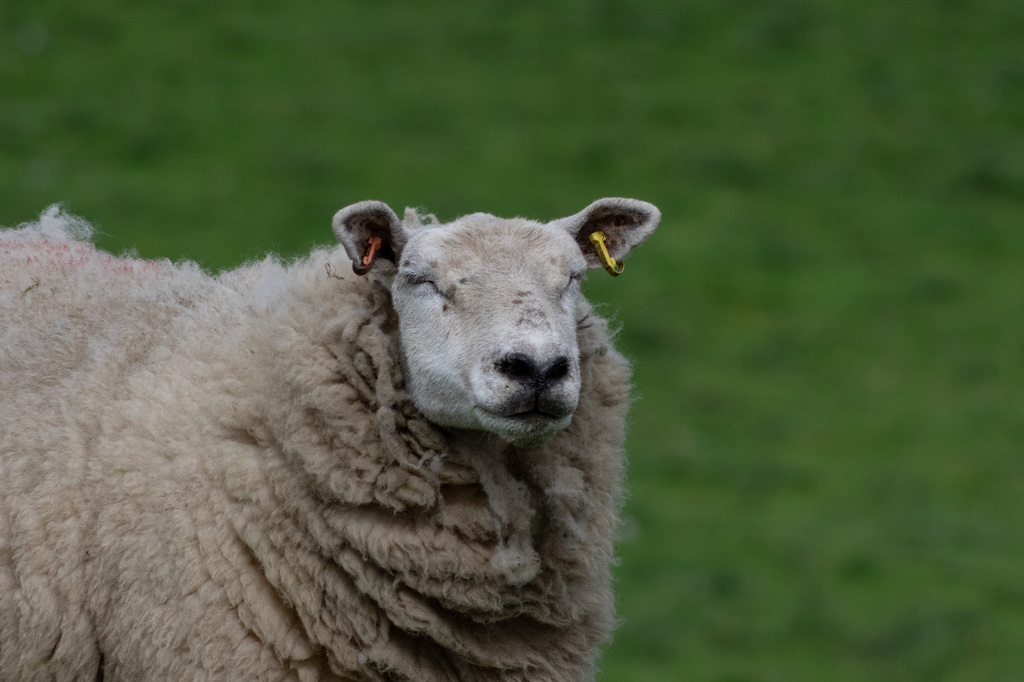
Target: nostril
[(517, 366), (525, 370), (557, 369)]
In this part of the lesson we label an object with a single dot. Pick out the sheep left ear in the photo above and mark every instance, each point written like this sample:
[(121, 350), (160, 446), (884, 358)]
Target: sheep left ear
[(372, 235), (624, 222)]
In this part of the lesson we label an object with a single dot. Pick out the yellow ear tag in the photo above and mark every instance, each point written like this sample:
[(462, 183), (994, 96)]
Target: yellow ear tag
[(614, 268)]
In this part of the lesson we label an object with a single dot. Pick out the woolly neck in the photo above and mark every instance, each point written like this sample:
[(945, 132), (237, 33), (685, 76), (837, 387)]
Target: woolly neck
[(430, 534)]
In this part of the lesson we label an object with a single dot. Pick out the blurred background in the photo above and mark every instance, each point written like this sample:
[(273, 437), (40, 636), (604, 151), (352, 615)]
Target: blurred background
[(825, 452)]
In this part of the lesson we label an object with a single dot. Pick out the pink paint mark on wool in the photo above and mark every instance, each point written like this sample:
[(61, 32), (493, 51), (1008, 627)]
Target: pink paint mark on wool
[(72, 254)]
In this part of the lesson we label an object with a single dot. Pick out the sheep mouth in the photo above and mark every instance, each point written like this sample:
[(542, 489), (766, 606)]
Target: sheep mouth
[(538, 415), (541, 407), (530, 415), (532, 408)]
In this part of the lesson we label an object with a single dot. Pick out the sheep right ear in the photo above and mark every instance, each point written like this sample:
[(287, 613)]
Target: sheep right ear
[(621, 225), (372, 235)]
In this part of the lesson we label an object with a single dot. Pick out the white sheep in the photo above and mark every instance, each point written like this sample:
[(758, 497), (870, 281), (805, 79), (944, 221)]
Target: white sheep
[(291, 472)]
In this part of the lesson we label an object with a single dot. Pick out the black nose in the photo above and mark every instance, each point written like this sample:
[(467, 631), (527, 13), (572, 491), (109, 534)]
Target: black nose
[(526, 370)]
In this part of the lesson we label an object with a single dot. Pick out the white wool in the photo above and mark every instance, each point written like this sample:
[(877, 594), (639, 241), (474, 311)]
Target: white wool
[(56, 223)]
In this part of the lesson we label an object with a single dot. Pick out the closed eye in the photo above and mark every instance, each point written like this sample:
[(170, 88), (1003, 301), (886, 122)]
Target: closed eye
[(574, 280), (417, 279)]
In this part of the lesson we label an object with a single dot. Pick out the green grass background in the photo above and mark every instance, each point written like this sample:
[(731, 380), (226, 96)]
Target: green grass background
[(825, 453)]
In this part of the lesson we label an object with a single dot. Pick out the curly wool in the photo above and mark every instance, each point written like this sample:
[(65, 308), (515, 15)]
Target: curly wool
[(224, 478)]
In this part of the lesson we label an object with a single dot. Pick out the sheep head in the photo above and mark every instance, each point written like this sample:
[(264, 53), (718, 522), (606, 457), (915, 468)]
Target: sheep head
[(487, 307)]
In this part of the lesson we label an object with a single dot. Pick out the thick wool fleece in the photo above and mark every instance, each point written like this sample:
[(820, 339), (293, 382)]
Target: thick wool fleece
[(223, 478)]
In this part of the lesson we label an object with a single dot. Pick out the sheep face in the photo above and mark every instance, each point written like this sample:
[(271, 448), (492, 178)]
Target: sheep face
[(487, 308), (487, 316)]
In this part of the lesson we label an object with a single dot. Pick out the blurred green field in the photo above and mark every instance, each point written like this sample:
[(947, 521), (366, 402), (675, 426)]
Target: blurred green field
[(826, 466)]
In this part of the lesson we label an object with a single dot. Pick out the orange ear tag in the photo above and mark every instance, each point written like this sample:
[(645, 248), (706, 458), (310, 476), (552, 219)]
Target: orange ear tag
[(372, 246)]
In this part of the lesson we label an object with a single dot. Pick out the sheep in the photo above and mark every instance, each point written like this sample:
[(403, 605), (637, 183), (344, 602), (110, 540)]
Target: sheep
[(400, 459)]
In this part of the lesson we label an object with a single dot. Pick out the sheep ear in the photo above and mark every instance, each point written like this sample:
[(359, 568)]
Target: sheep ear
[(356, 225), (624, 222)]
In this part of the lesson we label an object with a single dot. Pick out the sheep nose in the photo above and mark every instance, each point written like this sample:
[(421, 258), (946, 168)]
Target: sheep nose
[(524, 369)]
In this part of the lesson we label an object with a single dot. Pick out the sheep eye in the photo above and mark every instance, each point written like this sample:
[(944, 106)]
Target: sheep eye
[(574, 279), (414, 278), (421, 280)]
